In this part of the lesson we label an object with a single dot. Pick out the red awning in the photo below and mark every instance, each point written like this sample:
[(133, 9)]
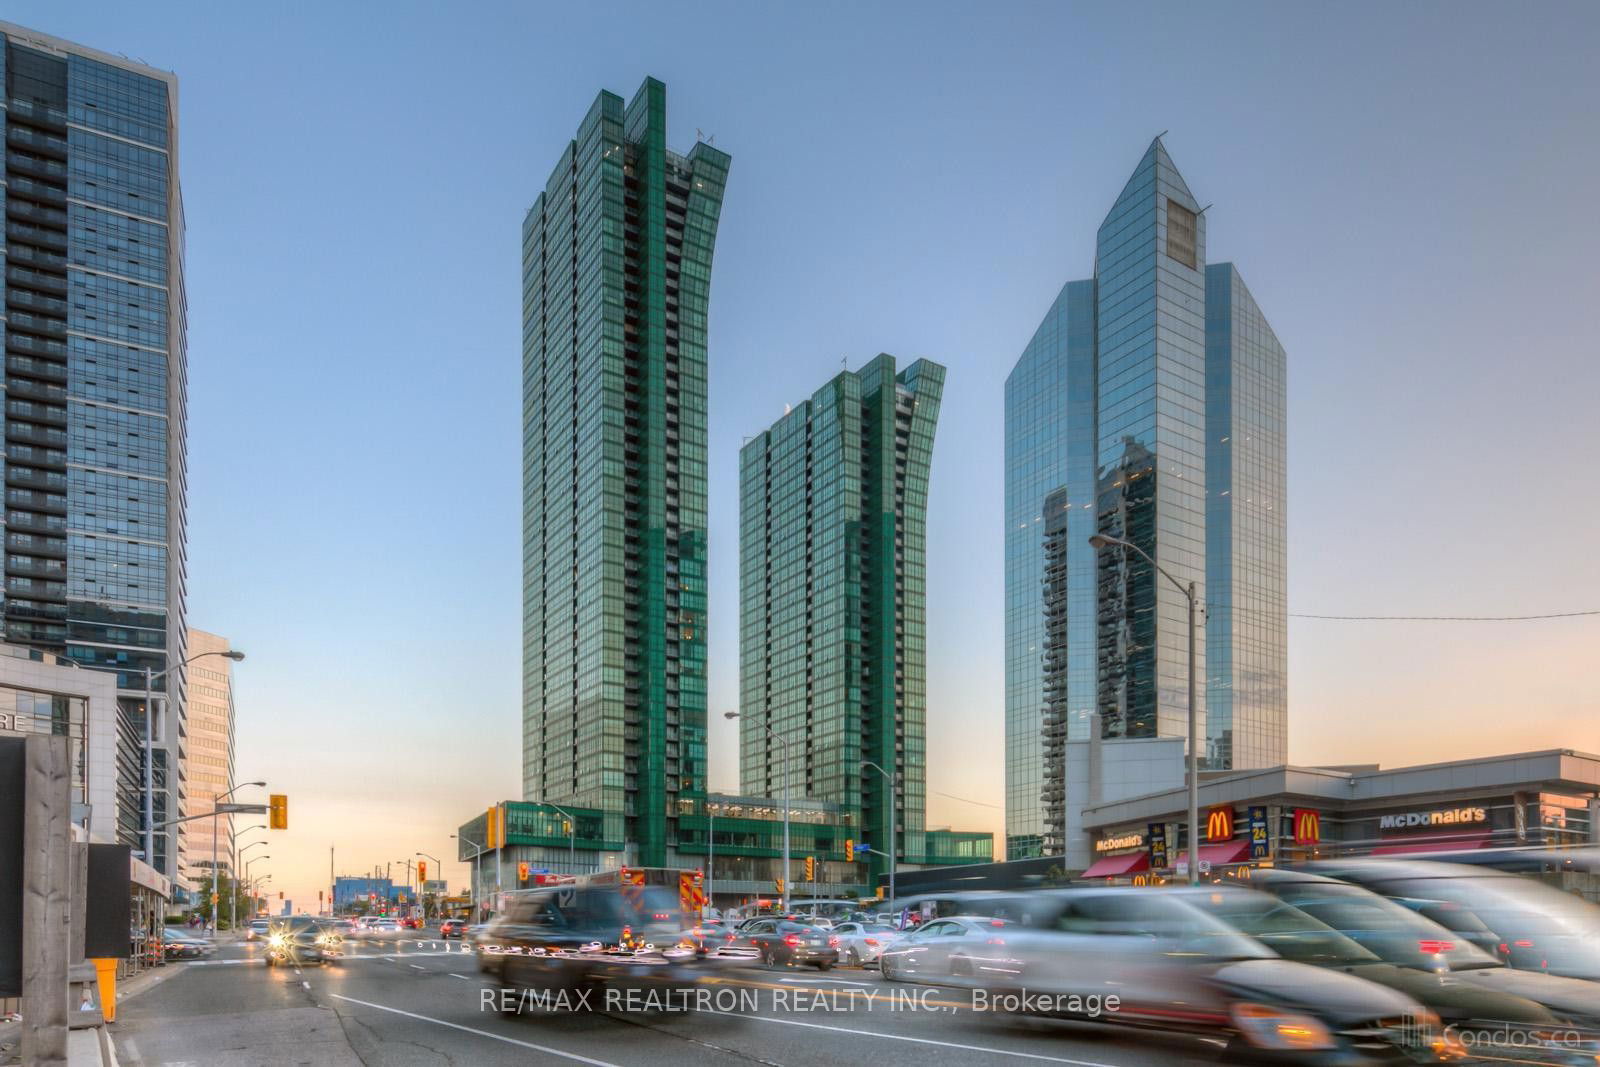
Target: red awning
[(1221, 853), (1112, 866), (1436, 843)]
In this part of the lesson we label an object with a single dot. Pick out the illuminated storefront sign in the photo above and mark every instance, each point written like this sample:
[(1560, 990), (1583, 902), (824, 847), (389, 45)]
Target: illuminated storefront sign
[(1411, 820), (1219, 824), (1259, 844), (1307, 826), (1109, 844)]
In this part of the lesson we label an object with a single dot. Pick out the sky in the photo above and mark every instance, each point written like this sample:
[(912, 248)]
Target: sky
[(1408, 191)]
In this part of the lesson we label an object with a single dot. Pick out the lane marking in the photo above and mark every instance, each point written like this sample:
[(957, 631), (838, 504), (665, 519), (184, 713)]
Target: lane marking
[(307, 986), (822, 981), (416, 967), (463, 977), (493, 1036), (912, 1040)]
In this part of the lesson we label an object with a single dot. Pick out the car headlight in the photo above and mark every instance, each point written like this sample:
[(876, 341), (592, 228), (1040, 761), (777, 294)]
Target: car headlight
[(277, 941), (1271, 1028)]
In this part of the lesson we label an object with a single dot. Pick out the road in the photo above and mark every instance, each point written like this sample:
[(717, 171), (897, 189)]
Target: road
[(420, 1002)]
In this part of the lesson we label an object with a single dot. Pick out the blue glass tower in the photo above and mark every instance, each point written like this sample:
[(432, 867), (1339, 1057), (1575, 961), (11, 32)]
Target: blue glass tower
[(95, 386), (1148, 406)]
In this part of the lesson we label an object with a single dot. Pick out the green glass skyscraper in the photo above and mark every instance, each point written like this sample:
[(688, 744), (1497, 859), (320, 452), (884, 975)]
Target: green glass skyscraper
[(832, 576), (616, 268)]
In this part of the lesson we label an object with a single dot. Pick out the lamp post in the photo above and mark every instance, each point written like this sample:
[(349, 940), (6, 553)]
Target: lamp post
[(893, 855), (1102, 541), (247, 878), (711, 853), (417, 897), (783, 898), (475, 870), (216, 886), (150, 748), (572, 837), (421, 888), (234, 866)]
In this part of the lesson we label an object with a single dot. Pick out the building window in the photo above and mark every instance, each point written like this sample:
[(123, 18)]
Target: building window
[(1181, 234)]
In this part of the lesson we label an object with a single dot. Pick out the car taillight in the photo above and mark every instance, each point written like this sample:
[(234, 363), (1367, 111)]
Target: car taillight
[(1524, 943), (833, 942), (791, 939), (1434, 948), (660, 915), (872, 941), (996, 941)]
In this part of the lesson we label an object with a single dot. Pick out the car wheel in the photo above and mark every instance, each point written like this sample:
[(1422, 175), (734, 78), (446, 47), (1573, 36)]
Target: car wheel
[(766, 956), (852, 958), (824, 965)]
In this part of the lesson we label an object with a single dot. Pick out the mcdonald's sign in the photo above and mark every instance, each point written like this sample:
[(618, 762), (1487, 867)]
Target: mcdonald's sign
[(1307, 826), (1219, 824)]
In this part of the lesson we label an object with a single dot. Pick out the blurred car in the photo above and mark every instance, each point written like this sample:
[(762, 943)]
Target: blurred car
[(571, 937), (256, 930), (957, 947), (861, 943), (177, 944), (452, 928), (299, 939), (382, 928), (1530, 925), (1406, 938), (336, 930), (782, 942), (1151, 959), (411, 922), (1522, 1024)]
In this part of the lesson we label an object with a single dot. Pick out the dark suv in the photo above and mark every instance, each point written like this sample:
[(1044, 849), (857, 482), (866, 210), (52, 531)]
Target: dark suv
[(452, 928)]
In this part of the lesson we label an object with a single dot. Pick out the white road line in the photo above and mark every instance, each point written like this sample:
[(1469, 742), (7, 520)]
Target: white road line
[(463, 977), (821, 981), (491, 1036), (913, 1040), (416, 967), (307, 986)]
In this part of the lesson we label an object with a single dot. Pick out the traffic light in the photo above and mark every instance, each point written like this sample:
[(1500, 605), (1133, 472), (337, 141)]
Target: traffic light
[(778, 883), (811, 869), (280, 894), (849, 848), (278, 812), (522, 870), (422, 870)]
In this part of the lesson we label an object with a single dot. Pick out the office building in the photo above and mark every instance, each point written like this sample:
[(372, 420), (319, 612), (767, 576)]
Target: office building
[(41, 693), (95, 389), (616, 267), (832, 574), (1149, 406), (208, 759)]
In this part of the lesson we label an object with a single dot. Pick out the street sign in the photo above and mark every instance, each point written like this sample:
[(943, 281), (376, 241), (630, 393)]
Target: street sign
[(863, 849), (1205, 866)]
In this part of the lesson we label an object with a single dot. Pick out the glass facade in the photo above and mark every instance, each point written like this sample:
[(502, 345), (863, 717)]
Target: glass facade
[(832, 613), (95, 369), (1247, 636), (616, 266), (1149, 406), (1050, 448)]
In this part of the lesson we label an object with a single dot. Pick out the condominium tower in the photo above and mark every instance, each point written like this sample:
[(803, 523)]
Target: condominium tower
[(616, 267), (1149, 406), (208, 760), (95, 389), (832, 575)]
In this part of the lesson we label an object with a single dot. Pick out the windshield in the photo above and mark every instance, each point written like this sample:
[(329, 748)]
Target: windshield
[(1285, 929), (1393, 933), (1182, 929)]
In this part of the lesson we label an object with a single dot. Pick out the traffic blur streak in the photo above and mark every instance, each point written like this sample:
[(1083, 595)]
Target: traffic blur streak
[(1147, 958), (1534, 1018), (1530, 925)]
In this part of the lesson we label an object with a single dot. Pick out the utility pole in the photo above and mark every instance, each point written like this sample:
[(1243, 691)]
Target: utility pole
[(46, 907)]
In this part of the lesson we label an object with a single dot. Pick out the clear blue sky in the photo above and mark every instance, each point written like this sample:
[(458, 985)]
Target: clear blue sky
[(1409, 191)]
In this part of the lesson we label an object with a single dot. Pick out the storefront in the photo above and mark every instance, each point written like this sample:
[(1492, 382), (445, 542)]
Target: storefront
[(1287, 815)]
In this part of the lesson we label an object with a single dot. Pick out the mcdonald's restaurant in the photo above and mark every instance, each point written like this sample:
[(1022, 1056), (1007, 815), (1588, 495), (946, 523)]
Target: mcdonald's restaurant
[(1288, 814)]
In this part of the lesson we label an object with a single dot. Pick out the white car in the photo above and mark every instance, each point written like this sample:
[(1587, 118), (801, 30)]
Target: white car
[(383, 928), (257, 930), (861, 943)]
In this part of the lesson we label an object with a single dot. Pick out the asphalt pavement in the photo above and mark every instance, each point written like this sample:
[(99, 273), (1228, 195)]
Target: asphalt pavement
[(420, 1001)]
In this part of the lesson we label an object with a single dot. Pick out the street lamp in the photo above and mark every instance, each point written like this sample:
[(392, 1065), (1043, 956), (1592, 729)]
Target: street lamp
[(255, 859), (476, 872), (783, 898), (438, 866), (216, 885), (893, 855), (572, 836), (1102, 541), (150, 747)]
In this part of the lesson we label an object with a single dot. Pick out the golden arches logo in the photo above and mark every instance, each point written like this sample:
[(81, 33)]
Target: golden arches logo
[(1219, 824), (1307, 826)]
